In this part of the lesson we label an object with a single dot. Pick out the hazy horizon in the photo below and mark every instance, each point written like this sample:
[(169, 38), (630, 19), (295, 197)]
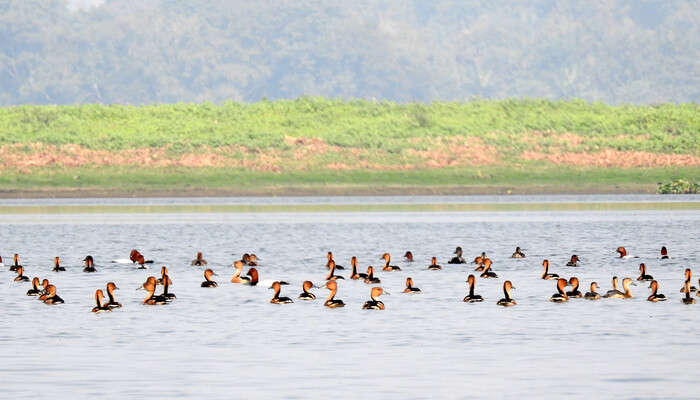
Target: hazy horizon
[(167, 51)]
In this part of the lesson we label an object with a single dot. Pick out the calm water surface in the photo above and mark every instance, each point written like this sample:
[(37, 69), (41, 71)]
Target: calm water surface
[(230, 342)]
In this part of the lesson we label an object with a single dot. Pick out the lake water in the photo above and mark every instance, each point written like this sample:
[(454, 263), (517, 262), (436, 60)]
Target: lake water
[(230, 342)]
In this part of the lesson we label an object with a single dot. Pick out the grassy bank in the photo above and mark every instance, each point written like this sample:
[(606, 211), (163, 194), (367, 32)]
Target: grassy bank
[(318, 143)]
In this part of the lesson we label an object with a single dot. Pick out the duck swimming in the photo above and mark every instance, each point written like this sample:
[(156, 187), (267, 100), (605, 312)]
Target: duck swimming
[(375, 304), (356, 275), (98, 299), (626, 287), (207, 276), (199, 261), (546, 275), (410, 288), (592, 295), (34, 291), (20, 275), (57, 265), (408, 256), (471, 297), (141, 262), (331, 302), (151, 299), (237, 278), (44, 292), (370, 276), (434, 266), (575, 293), (306, 295), (643, 273), (276, 299), (687, 299), (688, 278), (457, 259), (331, 274), (487, 273), (328, 263), (166, 284), (134, 257), (89, 264), (508, 300), (614, 292), (16, 265), (573, 262), (111, 287), (387, 260), (51, 296), (518, 253), (561, 295), (623, 253), (664, 253), (654, 286)]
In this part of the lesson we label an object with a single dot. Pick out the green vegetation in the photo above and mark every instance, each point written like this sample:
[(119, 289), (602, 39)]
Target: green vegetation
[(665, 128), (320, 145), (679, 186)]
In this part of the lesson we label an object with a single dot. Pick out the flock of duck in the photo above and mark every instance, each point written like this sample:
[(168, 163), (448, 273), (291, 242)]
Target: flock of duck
[(46, 292)]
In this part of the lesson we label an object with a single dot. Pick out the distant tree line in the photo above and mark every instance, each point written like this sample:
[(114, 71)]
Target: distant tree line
[(167, 51)]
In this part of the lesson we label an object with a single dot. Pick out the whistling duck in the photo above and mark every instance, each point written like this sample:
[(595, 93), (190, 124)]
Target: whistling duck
[(331, 302), (306, 295), (575, 293), (111, 287), (561, 295), (207, 276), (199, 261), (687, 299), (688, 278), (480, 259), (458, 258), (276, 299), (57, 265), (546, 275), (34, 291), (434, 266), (518, 253), (330, 258), (408, 256), (614, 292), (355, 274), (387, 260), (643, 273), (592, 295), (166, 284), (374, 304), (331, 274), (89, 264), (410, 288), (654, 286), (508, 300), (152, 299), (16, 265), (20, 275), (370, 276), (626, 286), (664, 253), (98, 299), (471, 297), (487, 273), (51, 296), (573, 262)]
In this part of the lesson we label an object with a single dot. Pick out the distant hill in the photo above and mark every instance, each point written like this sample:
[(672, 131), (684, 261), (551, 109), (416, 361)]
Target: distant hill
[(166, 51)]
